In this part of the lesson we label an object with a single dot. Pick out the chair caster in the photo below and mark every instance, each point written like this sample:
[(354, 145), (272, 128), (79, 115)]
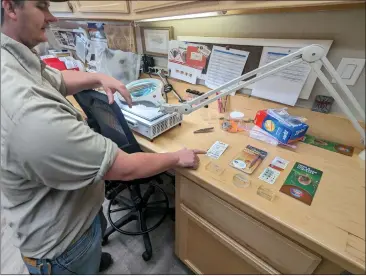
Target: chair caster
[(104, 241), (146, 256)]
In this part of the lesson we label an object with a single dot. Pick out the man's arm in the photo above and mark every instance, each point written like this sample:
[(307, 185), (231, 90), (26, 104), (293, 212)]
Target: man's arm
[(76, 81), (141, 165)]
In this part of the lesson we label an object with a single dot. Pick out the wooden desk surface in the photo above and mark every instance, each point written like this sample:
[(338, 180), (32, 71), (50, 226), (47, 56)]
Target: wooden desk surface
[(334, 224)]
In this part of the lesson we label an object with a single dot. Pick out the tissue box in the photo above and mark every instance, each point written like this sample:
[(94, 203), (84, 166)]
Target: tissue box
[(278, 123)]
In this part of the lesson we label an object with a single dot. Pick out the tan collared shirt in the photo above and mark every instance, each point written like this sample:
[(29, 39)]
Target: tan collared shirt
[(52, 163)]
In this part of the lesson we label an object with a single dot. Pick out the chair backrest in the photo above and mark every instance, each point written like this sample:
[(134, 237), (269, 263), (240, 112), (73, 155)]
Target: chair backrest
[(107, 119)]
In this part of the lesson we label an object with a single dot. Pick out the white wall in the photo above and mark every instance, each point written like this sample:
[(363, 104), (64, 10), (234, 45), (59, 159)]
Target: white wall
[(346, 28)]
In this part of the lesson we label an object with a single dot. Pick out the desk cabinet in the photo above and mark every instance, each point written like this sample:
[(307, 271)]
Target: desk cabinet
[(207, 250), (213, 237), (287, 6), (136, 10)]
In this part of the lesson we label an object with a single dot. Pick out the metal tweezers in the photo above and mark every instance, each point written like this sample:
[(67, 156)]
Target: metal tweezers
[(204, 130)]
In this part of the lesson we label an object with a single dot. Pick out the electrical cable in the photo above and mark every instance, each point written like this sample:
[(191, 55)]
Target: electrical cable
[(168, 88)]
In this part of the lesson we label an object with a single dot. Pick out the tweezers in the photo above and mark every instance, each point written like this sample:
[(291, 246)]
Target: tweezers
[(204, 130)]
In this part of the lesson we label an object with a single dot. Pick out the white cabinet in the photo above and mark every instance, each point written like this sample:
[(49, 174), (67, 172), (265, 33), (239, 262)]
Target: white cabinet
[(61, 7), (141, 6), (103, 6)]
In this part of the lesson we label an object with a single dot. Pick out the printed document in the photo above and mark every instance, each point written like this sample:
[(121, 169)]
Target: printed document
[(186, 60), (183, 72), (284, 86), (224, 66)]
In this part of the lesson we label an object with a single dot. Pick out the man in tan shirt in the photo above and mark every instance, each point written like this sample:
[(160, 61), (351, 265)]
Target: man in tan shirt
[(52, 164)]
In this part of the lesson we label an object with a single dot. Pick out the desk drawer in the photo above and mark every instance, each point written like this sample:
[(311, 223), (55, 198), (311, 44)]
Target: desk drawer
[(278, 251), (206, 250)]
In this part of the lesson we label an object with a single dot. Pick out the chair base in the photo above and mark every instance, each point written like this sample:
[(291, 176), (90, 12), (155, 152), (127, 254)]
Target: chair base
[(141, 220)]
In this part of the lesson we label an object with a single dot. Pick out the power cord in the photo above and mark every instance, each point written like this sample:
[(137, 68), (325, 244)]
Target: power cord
[(168, 88)]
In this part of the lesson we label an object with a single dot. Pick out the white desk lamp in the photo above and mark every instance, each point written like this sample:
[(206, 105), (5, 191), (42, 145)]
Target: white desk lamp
[(314, 55)]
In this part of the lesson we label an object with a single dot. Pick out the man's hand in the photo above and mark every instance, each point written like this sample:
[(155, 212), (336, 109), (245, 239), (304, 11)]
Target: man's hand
[(111, 85), (76, 81), (189, 158)]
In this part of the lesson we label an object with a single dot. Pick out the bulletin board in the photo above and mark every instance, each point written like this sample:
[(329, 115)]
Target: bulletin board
[(253, 59), (255, 47)]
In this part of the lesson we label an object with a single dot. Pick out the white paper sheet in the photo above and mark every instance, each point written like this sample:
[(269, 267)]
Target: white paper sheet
[(123, 66), (217, 149), (177, 51), (148, 113), (81, 48), (97, 47), (70, 62), (284, 86), (224, 65), (183, 72)]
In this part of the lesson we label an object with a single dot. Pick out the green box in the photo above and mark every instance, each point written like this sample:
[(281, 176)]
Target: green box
[(328, 145)]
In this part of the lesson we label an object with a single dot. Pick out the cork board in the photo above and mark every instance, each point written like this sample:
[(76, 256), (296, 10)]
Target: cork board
[(256, 45)]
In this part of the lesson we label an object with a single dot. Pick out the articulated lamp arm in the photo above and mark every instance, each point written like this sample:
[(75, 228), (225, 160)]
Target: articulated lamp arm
[(313, 55)]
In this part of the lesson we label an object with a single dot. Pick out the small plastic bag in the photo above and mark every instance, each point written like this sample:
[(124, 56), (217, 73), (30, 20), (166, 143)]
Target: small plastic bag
[(259, 134), (282, 115)]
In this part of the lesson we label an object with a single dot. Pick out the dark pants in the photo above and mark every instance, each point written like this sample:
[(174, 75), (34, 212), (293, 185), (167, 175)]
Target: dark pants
[(103, 221)]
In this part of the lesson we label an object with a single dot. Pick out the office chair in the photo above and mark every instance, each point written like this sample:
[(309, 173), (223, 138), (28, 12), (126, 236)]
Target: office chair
[(108, 120)]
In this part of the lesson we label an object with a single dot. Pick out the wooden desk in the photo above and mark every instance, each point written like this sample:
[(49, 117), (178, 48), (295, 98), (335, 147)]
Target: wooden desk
[(223, 229)]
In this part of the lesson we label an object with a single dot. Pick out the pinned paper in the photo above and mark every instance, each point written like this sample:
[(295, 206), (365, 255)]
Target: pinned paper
[(195, 59), (183, 72), (186, 60), (284, 86), (203, 49), (81, 48), (224, 66)]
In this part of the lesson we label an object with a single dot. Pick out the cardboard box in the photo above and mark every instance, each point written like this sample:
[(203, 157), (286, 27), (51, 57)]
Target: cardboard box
[(279, 124)]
